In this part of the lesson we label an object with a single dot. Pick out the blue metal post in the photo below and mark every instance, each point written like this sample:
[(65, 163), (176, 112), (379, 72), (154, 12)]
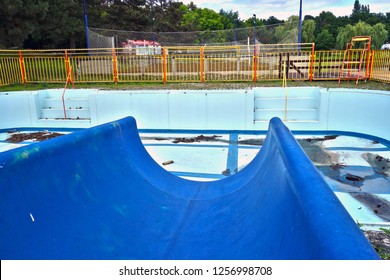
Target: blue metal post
[(254, 29), (235, 36), (300, 23), (86, 24), (152, 17)]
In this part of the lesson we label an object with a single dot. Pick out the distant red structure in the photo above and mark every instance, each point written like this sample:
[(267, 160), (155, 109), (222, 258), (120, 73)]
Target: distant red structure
[(142, 47)]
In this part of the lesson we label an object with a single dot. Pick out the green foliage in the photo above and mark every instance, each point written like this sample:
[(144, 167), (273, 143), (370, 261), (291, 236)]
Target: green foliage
[(377, 32), (358, 8), (250, 22), (288, 32), (379, 35), (230, 19), (324, 40), (57, 28), (167, 15), (327, 20), (379, 250), (126, 16), (60, 24), (360, 12), (272, 20), (16, 21), (202, 19), (308, 28)]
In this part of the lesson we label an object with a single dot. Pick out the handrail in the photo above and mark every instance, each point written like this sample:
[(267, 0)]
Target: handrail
[(351, 51), (68, 78), (284, 84)]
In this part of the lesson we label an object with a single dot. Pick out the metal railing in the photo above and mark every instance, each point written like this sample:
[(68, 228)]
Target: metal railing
[(182, 64), (68, 80), (380, 69)]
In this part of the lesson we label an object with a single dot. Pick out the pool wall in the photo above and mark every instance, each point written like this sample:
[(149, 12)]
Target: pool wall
[(301, 108)]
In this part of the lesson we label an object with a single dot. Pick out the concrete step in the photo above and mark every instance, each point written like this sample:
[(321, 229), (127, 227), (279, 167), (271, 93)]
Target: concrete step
[(58, 113), (69, 102), (290, 114), (291, 92), (293, 103), (71, 123)]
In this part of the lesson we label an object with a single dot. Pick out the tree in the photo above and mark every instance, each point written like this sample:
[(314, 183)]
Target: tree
[(201, 20), (326, 20), (308, 28), (128, 15), (273, 20), (308, 17), (167, 14), (360, 12), (388, 25), (62, 25), (379, 35), (377, 32), (288, 32), (231, 19), (19, 19), (356, 7), (324, 40)]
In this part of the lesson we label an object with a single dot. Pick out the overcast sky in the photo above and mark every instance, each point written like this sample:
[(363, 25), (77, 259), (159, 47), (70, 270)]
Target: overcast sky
[(282, 9)]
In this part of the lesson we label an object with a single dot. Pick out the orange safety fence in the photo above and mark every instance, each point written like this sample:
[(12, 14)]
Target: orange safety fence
[(380, 68), (241, 63)]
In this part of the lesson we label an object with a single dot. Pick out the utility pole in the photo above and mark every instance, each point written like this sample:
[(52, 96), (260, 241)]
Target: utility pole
[(300, 23), (86, 23), (152, 16), (254, 29), (235, 36)]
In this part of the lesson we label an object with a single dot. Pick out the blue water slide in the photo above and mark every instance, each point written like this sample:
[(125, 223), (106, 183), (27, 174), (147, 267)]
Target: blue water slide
[(97, 194)]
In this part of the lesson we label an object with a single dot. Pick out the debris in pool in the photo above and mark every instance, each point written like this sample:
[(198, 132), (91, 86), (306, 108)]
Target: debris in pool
[(32, 217), (226, 172), (380, 240), (378, 163), (37, 136), (353, 178), (326, 137), (254, 142), (338, 165), (194, 139), (378, 205)]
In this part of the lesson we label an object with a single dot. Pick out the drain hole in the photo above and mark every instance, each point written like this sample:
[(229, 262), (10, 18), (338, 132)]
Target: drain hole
[(353, 178)]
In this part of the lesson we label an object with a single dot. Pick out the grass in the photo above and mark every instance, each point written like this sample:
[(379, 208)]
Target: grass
[(380, 251), (372, 85), (384, 256), (385, 230)]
